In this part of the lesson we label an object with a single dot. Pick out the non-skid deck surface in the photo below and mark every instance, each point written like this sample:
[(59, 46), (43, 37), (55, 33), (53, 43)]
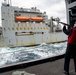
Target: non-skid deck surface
[(48, 68)]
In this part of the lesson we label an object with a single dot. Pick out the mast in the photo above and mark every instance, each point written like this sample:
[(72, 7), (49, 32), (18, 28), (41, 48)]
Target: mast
[(9, 2)]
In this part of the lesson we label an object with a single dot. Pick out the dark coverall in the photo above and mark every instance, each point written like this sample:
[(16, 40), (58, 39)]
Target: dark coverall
[(70, 51)]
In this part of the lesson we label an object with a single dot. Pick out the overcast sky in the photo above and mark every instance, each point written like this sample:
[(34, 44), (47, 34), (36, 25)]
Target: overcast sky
[(55, 8)]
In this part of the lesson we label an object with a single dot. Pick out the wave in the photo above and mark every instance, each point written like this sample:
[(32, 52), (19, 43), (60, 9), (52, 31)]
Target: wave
[(19, 54)]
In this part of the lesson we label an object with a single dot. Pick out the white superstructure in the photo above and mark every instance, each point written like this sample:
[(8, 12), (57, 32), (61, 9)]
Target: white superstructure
[(26, 27)]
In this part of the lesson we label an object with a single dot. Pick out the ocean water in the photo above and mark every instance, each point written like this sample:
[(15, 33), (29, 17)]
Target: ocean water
[(20, 54)]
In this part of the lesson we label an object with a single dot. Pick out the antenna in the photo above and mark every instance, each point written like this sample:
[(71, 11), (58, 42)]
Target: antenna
[(10, 2)]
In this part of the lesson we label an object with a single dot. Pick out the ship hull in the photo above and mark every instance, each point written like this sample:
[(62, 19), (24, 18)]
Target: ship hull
[(31, 40)]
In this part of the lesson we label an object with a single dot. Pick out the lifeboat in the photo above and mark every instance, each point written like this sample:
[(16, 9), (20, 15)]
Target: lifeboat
[(36, 18), (22, 18)]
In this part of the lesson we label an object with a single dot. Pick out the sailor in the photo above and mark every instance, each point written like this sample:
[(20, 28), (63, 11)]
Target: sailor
[(71, 47)]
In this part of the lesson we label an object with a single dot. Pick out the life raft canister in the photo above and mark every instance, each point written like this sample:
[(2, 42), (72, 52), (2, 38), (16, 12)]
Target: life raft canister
[(22, 18), (36, 18)]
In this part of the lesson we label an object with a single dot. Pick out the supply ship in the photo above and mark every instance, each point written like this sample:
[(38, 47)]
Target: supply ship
[(28, 27)]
